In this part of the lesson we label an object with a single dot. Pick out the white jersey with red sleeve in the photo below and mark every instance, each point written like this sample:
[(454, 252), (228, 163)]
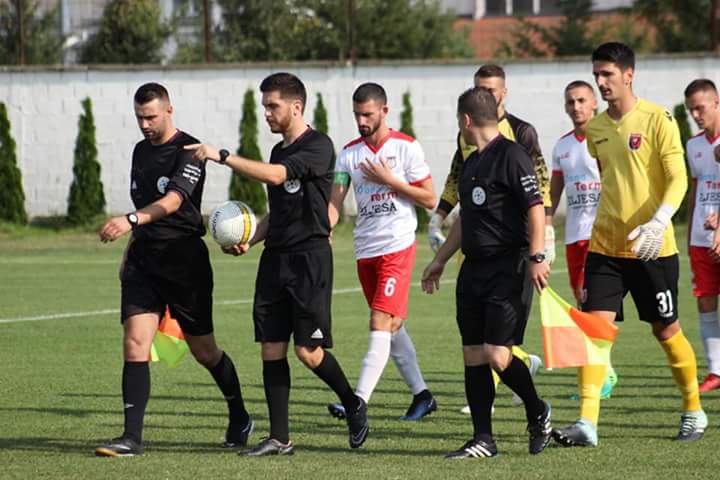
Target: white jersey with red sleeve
[(386, 222), (579, 170), (705, 173)]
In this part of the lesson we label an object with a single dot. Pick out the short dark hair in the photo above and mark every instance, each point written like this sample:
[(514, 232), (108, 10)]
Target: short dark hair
[(578, 84), (479, 104), (149, 92), (700, 85), (617, 53), (490, 70), (287, 84), (370, 91)]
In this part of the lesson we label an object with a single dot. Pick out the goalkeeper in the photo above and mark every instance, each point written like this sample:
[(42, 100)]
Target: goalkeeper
[(492, 77), (632, 246)]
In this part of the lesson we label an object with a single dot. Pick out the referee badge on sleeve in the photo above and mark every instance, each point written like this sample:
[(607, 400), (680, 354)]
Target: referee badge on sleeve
[(478, 196)]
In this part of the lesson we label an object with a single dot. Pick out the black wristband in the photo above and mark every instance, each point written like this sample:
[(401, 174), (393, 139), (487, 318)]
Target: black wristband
[(132, 219), (224, 154)]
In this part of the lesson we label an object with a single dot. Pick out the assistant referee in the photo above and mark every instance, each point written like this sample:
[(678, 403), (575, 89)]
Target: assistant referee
[(166, 263)]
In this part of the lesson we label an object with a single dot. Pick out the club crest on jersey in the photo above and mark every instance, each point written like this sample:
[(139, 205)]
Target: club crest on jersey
[(634, 141), (291, 186), (162, 184), (478, 196)]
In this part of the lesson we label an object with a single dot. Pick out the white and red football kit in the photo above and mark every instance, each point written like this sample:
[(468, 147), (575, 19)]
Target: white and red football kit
[(386, 222), (581, 176), (705, 172)]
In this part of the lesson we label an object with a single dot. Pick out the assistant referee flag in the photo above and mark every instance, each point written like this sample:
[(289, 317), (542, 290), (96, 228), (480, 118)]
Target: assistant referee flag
[(169, 345), (572, 338)]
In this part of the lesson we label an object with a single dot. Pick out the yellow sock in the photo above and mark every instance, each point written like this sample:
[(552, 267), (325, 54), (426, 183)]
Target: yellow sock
[(522, 355), (682, 361), (517, 352), (590, 381)]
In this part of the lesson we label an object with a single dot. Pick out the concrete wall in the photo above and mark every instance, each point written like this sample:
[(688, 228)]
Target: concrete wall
[(44, 106)]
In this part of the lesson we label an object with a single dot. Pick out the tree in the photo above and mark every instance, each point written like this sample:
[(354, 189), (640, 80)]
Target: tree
[(406, 116), (406, 127), (681, 118), (682, 26), (41, 34), (572, 36), (12, 197), (258, 30), (86, 199), (320, 120), (242, 188), (131, 31)]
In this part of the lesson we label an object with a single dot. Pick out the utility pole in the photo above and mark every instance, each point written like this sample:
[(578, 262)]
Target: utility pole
[(19, 10), (352, 50), (208, 50), (714, 27)]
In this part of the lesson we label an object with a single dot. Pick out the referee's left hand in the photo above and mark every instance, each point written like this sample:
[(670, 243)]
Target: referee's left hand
[(114, 228), (431, 277), (203, 152), (539, 274)]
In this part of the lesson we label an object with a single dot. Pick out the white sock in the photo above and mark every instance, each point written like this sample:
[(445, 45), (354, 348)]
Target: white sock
[(373, 364), (710, 334), (403, 354)]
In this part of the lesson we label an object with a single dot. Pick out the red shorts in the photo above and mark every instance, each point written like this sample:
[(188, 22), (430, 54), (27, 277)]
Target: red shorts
[(576, 253), (705, 273), (385, 281)]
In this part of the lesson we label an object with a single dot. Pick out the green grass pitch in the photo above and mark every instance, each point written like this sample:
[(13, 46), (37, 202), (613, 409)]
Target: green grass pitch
[(60, 384)]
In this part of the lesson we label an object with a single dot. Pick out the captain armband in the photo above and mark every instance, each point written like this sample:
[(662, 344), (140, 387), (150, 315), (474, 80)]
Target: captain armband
[(342, 178)]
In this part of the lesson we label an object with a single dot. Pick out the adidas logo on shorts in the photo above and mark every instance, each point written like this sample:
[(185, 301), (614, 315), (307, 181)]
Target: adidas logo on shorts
[(317, 335)]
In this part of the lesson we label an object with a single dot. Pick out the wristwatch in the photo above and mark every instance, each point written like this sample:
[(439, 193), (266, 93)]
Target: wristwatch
[(132, 218), (537, 258), (223, 156)]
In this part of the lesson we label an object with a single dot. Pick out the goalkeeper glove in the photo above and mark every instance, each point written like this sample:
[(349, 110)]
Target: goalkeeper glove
[(648, 238), (434, 232), (549, 244)]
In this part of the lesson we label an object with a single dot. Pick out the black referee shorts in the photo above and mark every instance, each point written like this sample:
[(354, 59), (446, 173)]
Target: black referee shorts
[(176, 273), (653, 286), (493, 300), (293, 293)]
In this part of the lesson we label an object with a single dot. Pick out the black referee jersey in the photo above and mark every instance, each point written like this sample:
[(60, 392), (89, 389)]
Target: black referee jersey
[(496, 188), (157, 169), (299, 206)]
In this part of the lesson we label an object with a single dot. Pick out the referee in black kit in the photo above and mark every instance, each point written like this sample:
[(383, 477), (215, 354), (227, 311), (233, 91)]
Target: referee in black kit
[(166, 263), (501, 232), (293, 289)]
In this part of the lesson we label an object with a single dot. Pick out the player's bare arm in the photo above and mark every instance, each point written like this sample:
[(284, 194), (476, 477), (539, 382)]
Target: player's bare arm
[(557, 185), (116, 227), (337, 197), (271, 174), (539, 272), (379, 172)]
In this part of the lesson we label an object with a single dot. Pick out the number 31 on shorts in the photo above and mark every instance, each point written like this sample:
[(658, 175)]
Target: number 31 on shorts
[(665, 303)]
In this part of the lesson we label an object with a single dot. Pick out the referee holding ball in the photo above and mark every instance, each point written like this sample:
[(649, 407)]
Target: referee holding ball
[(293, 289)]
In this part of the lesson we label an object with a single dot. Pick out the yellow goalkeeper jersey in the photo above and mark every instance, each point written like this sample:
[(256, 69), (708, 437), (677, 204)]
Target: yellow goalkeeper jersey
[(513, 129), (641, 167)]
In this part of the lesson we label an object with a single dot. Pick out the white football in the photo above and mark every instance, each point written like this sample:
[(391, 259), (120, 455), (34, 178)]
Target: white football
[(232, 223)]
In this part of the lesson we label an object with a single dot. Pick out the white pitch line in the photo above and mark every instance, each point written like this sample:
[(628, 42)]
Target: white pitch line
[(113, 311)]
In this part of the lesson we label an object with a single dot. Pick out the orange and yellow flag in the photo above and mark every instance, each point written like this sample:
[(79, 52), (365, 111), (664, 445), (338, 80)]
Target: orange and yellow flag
[(572, 338), (169, 345)]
